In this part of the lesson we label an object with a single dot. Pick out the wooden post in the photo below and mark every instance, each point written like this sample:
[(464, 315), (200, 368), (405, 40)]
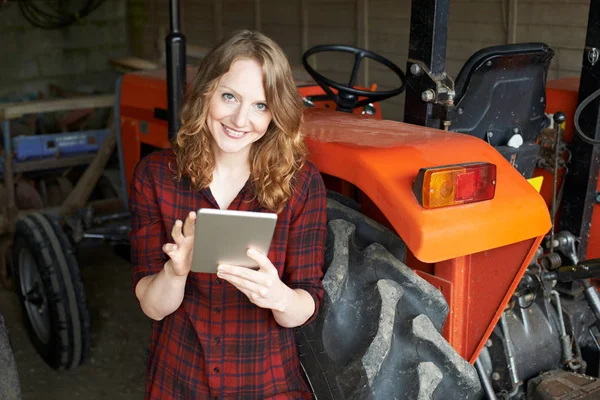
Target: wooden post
[(304, 31), (257, 19), (362, 35), (218, 17)]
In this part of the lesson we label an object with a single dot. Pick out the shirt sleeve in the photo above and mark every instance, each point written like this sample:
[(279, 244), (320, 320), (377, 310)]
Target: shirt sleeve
[(147, 230), (306, 241)]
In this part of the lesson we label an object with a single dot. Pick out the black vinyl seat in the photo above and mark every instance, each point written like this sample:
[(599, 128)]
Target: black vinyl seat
[(501, 93)]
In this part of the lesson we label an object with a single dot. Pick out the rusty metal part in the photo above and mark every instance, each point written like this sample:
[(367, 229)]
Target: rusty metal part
[(85, 185), (27, 197), (551, 261), (6, 263), (562, 385)]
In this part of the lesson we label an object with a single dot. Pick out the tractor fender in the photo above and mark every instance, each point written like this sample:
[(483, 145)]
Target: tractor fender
[(382, 158)]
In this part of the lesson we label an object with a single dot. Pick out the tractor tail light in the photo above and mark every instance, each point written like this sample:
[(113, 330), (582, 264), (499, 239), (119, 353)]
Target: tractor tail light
[(455, 184)]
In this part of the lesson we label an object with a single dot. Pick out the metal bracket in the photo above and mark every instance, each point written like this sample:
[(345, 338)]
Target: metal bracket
[(437, 89)]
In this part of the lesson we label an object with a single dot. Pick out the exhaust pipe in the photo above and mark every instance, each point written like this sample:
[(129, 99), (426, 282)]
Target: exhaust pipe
[(176, 74)]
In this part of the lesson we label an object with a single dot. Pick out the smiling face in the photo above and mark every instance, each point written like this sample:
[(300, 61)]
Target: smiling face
[(238, 114)]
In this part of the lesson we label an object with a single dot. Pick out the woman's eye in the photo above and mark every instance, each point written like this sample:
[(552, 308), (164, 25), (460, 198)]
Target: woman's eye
[(228, 96), (261, 107)]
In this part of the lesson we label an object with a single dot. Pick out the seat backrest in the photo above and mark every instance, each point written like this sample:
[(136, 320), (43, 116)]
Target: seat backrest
[(501, 91)]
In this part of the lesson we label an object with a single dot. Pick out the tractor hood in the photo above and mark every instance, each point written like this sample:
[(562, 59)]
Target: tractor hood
[(383, 158)]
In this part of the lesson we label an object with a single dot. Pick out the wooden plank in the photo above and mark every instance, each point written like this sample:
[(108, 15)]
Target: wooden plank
[(52, 163), (85, 185), (218, 17), (17, 110), (257, 15), (362, 35)]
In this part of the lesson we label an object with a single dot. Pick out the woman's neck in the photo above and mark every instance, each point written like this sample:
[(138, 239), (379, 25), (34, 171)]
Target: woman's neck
[(231, 165)]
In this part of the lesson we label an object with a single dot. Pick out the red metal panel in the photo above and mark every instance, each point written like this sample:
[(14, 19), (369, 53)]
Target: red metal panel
[(475, 288)]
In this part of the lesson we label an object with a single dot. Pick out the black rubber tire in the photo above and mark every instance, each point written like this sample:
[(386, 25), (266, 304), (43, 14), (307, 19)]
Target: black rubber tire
[(69, 333), (378, 332), (10, 387)]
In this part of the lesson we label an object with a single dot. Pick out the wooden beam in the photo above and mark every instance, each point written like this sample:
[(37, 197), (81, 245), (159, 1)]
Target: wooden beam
[(257, 19), (218, 17), (362, 34), (17, 110), (86, 184), (304, 31)]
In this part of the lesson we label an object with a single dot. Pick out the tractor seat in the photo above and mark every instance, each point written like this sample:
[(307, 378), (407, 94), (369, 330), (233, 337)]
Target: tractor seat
[(501, 98)]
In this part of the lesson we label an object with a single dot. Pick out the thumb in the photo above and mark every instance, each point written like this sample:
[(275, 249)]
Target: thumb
[(169, 247), (262, 260)]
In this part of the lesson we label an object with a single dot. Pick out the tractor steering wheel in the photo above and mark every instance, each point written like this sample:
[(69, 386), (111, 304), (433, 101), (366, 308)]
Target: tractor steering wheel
[(347, 96)]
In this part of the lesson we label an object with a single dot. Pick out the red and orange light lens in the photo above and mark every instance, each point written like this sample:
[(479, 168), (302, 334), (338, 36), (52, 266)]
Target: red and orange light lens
[(455, 184)]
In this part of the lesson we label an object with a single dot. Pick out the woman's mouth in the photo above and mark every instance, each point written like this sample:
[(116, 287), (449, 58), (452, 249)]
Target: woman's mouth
[(233, 133)]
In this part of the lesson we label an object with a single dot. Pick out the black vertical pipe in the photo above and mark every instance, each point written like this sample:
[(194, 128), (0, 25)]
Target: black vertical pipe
[(427, 45), (580, 191), (176, 64)]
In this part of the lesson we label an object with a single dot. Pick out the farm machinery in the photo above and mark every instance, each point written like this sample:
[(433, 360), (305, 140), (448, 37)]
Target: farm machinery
[(461, 255)]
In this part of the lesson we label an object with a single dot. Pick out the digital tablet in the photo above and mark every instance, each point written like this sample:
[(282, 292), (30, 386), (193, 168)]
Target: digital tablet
[(224, 236)]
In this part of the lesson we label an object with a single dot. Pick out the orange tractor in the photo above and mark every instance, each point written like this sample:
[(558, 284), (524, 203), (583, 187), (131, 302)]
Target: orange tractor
[(448, 274)]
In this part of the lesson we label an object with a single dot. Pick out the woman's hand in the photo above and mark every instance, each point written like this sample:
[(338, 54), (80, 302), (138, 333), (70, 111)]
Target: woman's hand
[(181, 251), (263, 286)]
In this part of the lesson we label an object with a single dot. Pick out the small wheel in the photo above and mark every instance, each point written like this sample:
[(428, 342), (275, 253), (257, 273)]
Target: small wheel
[(51, 292), (378, 332), (10, 388)]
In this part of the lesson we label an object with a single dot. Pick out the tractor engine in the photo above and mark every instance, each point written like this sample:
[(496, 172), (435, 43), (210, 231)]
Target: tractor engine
[(548, 336)]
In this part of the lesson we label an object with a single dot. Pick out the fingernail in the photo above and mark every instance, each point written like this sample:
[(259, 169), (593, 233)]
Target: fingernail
[(251, 251)]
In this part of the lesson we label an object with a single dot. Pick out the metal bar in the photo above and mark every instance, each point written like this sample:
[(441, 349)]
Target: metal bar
[(176, 74), (120, 150), (485, 380), (17, 110), (427, 47), (581, 187), (9, 183)]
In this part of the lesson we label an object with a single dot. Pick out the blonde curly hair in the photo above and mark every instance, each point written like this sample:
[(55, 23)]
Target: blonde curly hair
[(279, 154)]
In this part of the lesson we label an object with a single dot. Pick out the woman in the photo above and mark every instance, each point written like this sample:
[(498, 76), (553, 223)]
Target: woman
[(228, 335)]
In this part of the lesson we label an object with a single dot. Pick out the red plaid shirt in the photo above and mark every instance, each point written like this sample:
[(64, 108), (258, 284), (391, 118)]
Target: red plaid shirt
[(217, 344)]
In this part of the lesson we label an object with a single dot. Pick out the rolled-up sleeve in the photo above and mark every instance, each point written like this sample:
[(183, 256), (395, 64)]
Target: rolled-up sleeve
[(147, 230), (306, 240)]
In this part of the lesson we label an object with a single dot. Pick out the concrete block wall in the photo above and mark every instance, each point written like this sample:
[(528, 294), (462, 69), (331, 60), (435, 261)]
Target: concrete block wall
[(379, 25), (75, 58)]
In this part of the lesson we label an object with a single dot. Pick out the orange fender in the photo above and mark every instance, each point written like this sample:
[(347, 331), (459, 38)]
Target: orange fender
[(382, 158)]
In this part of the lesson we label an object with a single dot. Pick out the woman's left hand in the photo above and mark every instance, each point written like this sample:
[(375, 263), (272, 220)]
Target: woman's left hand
[(263, 286)]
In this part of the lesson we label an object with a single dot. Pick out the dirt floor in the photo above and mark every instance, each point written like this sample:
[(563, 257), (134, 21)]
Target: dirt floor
[(120, 333)]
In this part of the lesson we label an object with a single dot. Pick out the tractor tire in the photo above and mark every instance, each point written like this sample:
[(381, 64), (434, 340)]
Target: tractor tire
[(51, 292), (378, 331), (10, 387)]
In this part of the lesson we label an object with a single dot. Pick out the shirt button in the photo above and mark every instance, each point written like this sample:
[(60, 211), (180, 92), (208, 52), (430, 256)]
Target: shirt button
[(216, 370), (217, 339), (218, 310), (218, 280)]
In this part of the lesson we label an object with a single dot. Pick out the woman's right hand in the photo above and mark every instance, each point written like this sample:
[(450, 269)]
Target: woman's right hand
[(181, 251)]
